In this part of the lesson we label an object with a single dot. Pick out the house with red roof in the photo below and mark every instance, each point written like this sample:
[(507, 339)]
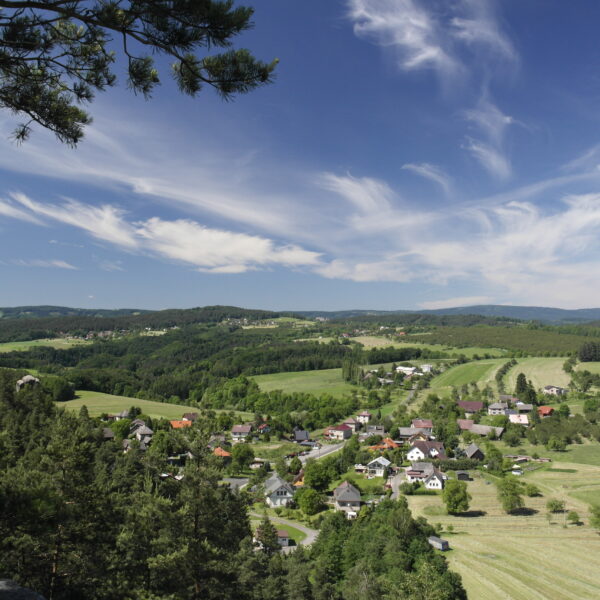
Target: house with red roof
[(545, 411)]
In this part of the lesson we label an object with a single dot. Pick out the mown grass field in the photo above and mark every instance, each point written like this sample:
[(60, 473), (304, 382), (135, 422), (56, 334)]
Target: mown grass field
[(58, 343), (507, 557), (541, 372), (482, 372), (592, 367), (326, 381), (98, 403)]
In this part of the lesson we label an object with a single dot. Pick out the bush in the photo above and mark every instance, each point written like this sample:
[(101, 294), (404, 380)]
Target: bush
[(555, 506), (532, 490)]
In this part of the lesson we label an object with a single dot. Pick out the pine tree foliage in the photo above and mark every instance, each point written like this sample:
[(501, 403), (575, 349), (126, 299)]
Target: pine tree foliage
[(55, 55)]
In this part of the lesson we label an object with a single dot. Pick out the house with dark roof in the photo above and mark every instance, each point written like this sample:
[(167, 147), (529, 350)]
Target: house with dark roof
[(420, 450), (375, 430), (301, 435), (407, 433), (191, 416), (240, 433), (278, 492), (340, 432), (352, 423), (346, 497), (419, 471), (425, 424), (474, 451), (470, 407), (486, 430)]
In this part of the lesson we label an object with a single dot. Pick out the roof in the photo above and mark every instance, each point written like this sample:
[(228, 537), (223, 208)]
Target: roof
[(275, 482), (384, 462), (422, 467), (350, 420), (341, 427), (508, 398), (282, 534), (180, 424), (554, 387), (346, 492), (465, 424), (470, 406), (301, 435), (241, 429), (545, 410), (498, 406), (426, 447), (422, 423), (486, 429), (143, 430), (108, 433), (410, 431), (471, 449), (190, 416), (218, 451), (365, 413), (519, 419), (385, 444)]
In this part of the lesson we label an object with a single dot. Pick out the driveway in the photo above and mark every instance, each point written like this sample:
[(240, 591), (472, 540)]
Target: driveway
[(311, 534), (396, 481)]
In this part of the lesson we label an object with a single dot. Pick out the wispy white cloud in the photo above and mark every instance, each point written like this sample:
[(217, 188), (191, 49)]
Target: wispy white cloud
[(492, 123), (587, 161), (458, 301), (111, 265), (39, 263), (431, 172), (405, 27), (182, 240), (479, 26)]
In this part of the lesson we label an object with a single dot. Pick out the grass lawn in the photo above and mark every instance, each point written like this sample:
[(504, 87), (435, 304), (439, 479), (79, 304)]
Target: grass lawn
[(58, 343), (541, 372), (482, 372), (98, 403), (469, 352), (326, 381), (295, 534), (274, 450), (366, 486), (501, 556)]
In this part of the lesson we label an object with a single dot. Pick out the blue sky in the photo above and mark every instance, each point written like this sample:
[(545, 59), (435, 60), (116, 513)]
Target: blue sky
[(410, 154)]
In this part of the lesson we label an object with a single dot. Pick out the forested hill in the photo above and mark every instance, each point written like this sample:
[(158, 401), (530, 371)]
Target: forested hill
[(38, 312), (521, 313), (47, 327)]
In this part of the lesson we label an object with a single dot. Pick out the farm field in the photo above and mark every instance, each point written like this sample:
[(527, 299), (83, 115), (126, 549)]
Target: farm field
[(541, 372), (592, 367), (481, 371), (58, 343), (326, 381), (501, 556), (98, 403)]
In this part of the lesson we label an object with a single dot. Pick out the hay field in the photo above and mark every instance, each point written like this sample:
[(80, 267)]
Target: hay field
[(58, 343), (508, 557), (541, 372), (326, 381)]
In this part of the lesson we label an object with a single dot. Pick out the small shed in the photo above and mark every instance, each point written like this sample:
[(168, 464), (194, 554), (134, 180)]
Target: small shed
[(463, 476), (438, 543)]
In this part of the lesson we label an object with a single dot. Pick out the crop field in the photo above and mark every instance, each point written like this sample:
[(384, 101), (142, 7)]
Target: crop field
[(501, 556), (482, 372), (541, 372), (98, 403), (326, 381), (58, 343)]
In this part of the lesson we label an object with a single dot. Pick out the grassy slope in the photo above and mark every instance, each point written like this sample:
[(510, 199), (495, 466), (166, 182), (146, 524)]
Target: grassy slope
[(520, 557), (58, 343), (541, 371), (482, 372), (98, 403), (327, 381), (592, 367)]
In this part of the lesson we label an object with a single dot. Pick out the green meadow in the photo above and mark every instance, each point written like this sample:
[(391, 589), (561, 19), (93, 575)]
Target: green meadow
[(58, 343)]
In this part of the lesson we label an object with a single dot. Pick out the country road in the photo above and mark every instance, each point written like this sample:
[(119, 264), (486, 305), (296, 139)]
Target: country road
[(318, 453)]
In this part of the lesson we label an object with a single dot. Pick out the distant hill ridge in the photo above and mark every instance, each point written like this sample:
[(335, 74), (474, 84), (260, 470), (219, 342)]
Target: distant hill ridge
[(39, 312), (521, 313)]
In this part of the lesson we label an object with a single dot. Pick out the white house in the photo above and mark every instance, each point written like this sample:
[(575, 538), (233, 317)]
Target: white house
[(406, 370), (278, 492), (435, 481), (378, 467), (554, 390), (240, 433), (421, 449), (364, 417), (340, 432), (497, 408), (426, 368)]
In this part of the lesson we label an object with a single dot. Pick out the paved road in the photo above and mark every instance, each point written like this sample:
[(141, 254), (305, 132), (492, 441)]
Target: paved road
[(396, 481), (322, 452)]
